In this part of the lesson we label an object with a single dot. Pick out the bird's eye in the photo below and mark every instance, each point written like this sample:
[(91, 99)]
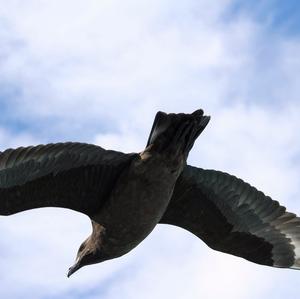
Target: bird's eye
[(81, 247)]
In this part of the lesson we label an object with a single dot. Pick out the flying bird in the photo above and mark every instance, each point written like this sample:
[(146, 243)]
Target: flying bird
[(127, 195)]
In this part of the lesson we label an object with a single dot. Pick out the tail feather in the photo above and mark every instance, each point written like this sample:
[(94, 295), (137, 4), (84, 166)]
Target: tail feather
[(167, 129)]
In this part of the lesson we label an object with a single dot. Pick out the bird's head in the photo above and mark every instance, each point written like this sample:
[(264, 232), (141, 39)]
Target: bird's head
[(90, 251)]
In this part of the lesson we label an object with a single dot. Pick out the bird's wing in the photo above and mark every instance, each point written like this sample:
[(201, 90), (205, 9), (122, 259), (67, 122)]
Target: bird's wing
[(231, 216), (77, 176)]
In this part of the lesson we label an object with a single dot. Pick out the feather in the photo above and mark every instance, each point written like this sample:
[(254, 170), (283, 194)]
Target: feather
[(77, 176), (233, 217)]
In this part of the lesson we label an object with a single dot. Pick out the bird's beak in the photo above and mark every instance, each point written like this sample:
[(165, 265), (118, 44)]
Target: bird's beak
[(74, 268)]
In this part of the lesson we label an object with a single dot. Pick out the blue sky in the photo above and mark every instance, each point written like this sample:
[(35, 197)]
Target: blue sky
[(276, 15), (98, 72)]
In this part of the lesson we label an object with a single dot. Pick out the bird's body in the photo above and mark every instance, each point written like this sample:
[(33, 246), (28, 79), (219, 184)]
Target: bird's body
[(143, 191), (137, 203), (127, 195)]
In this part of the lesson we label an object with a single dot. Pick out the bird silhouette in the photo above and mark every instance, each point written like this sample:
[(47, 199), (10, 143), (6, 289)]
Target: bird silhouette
[(127, 195)]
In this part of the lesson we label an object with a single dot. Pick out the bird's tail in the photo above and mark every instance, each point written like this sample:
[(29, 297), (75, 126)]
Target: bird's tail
[(176, 132)]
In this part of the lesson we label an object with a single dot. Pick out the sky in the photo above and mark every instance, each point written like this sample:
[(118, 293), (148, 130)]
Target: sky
[(97, 72)]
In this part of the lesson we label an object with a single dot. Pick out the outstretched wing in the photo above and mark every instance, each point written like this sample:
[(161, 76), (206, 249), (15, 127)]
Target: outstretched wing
[(77, 176), (231, 216)]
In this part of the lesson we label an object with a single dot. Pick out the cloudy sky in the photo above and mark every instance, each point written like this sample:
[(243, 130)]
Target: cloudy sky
[(98, 71)]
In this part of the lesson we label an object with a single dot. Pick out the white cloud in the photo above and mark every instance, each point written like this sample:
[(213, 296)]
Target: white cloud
[(11, 140), (116, 63), (101, 59)]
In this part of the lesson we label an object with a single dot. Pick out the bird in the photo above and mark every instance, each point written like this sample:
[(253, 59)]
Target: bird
[(127, 195)]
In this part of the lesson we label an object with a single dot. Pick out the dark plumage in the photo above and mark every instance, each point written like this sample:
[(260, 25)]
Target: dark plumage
[(126, 195)]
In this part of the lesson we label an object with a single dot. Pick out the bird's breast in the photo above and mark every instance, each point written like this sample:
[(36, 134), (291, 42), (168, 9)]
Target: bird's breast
[(138, 201)]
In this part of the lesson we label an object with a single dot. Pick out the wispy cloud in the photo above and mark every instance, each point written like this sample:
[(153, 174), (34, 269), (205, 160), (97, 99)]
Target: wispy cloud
[(98, 72)]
